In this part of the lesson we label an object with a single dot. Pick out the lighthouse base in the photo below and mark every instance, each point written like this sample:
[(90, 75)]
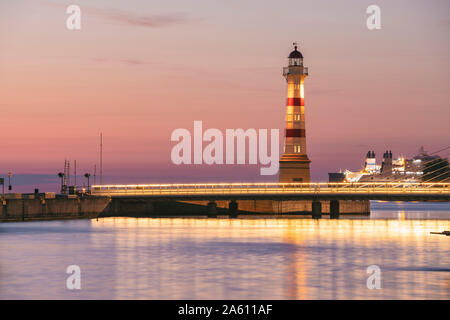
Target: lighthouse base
[(294, 168)]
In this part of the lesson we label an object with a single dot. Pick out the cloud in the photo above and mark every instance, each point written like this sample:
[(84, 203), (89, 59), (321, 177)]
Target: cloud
[(128, 18), (130, 62), (444, 23), (30, 179), (131, 19), (100, 59), (318, 91), (364, 146)]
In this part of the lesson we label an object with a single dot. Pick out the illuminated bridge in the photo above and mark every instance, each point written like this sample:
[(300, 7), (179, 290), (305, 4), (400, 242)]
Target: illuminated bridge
[(280, 191)]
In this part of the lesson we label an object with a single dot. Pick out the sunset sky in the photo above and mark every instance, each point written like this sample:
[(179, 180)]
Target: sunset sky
[(137, 70)]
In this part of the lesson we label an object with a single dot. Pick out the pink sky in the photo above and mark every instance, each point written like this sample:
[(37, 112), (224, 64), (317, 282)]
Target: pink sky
[(137, 70)]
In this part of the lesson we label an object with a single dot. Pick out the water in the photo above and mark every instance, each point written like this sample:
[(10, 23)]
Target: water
[(245, 258)]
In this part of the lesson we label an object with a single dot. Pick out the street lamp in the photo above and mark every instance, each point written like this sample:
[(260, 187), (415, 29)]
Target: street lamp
[(61, 175), (87, 175), (9, 181), (2, 182)]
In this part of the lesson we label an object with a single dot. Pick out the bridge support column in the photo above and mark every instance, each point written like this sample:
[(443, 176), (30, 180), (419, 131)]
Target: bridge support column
[(316, 209), (212, 209), (3, 206), (334, 209), (233, 208)]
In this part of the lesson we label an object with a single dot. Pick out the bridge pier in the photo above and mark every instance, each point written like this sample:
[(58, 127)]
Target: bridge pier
[(212, 209), (233, 208), (316, 209), (334, 209)]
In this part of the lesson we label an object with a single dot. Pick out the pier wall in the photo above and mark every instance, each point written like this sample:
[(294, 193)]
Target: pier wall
[(93, 207), (58, 208), (293, 206)]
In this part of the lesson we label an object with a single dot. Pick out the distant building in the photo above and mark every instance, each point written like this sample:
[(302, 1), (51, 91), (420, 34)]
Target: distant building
[(336, 177), (421, 168)]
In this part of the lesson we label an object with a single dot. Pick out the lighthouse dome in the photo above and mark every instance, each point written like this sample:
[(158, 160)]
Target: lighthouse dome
[(295, 54), (295, 57)]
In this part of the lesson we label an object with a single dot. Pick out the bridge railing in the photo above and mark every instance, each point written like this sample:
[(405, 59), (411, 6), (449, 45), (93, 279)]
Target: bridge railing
[(268, 188)]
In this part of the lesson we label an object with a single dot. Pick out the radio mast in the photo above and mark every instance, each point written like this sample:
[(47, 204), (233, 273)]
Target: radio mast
[(101, 158)]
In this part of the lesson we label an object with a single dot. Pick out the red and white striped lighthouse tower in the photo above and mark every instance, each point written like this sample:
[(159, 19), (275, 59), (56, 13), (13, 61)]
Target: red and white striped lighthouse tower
[(294, 163)]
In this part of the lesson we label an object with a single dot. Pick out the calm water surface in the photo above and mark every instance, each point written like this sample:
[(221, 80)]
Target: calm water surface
[(245, 258)]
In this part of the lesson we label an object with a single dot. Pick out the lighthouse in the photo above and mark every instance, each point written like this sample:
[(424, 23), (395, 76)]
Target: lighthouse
[(294, 163)]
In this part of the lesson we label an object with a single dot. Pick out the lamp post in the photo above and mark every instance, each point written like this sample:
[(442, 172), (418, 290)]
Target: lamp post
[(61, 175), (2, 182), (87, 175), (9, 181)]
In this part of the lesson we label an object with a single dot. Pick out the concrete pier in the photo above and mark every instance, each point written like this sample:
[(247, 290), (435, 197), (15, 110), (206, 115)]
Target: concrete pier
[(316, 210), (357, 207), (212, 209), (334, 209), (76, 207), (233, 207), (57, 208)]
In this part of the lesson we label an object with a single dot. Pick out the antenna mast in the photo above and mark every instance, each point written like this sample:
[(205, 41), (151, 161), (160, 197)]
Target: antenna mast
[(68, 172), (101, 158), (65, 182), (75, 174)]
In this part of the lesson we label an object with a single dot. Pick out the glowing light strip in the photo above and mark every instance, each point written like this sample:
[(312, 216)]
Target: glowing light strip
[(270, 187), (279, 184)]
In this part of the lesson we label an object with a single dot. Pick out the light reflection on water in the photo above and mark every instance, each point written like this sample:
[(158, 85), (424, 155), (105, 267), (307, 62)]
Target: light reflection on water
[(257, 258)]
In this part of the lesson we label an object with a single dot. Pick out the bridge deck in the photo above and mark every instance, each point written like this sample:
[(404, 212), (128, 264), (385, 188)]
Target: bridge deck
[(363, 191)]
